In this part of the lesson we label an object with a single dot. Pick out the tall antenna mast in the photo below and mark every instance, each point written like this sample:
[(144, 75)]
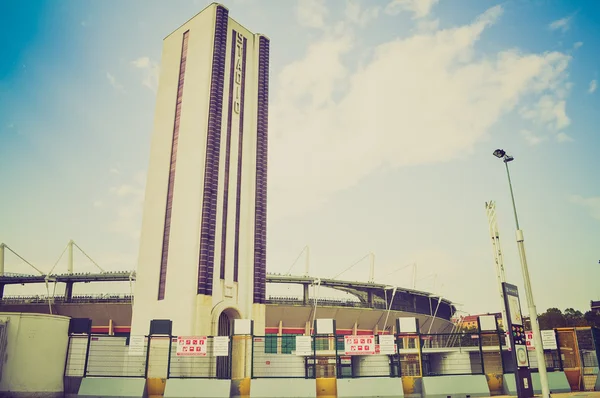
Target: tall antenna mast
[(490, 208)]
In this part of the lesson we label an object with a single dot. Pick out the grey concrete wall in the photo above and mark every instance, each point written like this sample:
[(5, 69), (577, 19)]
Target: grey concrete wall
[(278, 388), (370, 387), (455, 386)]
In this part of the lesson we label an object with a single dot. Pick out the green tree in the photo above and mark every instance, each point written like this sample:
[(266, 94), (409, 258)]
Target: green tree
[(552, 318), (574, 318), (592, 318)]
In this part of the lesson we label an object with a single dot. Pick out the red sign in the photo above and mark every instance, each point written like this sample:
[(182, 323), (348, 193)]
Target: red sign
[(359, 345), (194, 346)]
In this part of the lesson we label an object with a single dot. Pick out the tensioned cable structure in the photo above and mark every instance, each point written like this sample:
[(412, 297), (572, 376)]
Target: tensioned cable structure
[(296, 260), (350, 267)]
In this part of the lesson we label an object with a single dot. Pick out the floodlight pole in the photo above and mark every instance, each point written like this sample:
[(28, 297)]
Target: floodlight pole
[(537, 335)]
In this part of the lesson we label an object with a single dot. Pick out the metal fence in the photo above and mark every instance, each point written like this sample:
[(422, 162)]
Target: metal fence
[(206, 365), (275, 356), (325, 356), (110, 356), (452, 354), (298, 356)]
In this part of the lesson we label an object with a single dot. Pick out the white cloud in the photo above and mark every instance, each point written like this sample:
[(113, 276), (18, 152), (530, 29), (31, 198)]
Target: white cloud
[(130, 199), (562, 137), (591, 204), (419, 8), (562, 24), (422, 99), (531, 138), (113, 82), (593, 86), (361, 17), (549, 112), (150, 72), (428, 25), (577, 45), (98, 203), (114, 170), (311, 13)]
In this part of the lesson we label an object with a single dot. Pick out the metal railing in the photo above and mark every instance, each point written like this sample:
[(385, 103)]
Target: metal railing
[(110, 356), (199, 365)]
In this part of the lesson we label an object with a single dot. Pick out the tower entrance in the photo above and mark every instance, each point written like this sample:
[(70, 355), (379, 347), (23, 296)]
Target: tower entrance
[(225, 324)]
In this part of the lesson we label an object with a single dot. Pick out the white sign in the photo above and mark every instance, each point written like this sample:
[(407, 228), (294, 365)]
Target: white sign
[(303, 345), (325, 326), (487, 322), (522, 359), (359, 345), (191, 346), (136, 346), (548, 340), (387, 344), (407, 325), (221, 346)]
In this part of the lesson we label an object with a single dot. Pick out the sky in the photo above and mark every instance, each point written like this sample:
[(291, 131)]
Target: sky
[(383, 119)]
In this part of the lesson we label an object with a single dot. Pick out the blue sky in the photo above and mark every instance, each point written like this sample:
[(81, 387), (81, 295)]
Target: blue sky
[(384, 115)]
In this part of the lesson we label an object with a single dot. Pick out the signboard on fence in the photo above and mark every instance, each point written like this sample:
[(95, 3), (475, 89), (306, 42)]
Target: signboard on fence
[(221, 346), (303, 345), (136, 346), (387, 344), (191, 346), (359, 345), (548, 340)]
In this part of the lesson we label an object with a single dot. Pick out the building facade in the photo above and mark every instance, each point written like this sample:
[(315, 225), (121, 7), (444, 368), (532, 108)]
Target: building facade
[(202, 258)]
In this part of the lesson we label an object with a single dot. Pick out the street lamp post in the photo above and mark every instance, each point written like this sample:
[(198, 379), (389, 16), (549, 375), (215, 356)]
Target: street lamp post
[(537, 336)]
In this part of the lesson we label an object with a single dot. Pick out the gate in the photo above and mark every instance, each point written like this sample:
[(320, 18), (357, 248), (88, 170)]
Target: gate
[(589, 360), (569, 352)]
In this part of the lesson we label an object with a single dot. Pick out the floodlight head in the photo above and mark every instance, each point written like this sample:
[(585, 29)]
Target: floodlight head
[(499, 153), (508, 158)]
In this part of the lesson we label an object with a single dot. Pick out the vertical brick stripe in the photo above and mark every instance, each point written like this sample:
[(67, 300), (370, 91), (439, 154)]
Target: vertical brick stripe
[(162, 280), (227, 155), (211, 169), (260, 223), (238, 193)]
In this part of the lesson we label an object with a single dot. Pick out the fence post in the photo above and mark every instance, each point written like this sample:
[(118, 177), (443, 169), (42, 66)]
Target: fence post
[(560, 362), (397, 343), (500, 346), (147, 356), (169, 358), (480, 338), (252, 359), (420, 353), (338, 361), (314, 338), (87, 355), (67, 355)]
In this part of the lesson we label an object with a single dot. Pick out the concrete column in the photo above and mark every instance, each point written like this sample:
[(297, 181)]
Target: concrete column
[(355, 328), (306, 294), (241, 357), (307, 328), (68, 291), (1, 259), (70, 262), (370, 298)]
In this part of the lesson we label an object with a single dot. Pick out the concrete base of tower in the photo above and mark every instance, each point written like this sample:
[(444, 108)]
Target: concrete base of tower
[(259, 313)]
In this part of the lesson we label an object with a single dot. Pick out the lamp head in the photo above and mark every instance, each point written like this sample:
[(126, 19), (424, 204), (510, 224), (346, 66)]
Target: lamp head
[(499, 153), (508, 158)]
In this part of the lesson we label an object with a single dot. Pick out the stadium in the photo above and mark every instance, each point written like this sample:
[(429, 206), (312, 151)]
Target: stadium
[(358, 307)]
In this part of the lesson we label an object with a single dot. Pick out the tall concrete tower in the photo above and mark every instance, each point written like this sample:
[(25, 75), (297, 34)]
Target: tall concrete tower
[(202, 258)]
